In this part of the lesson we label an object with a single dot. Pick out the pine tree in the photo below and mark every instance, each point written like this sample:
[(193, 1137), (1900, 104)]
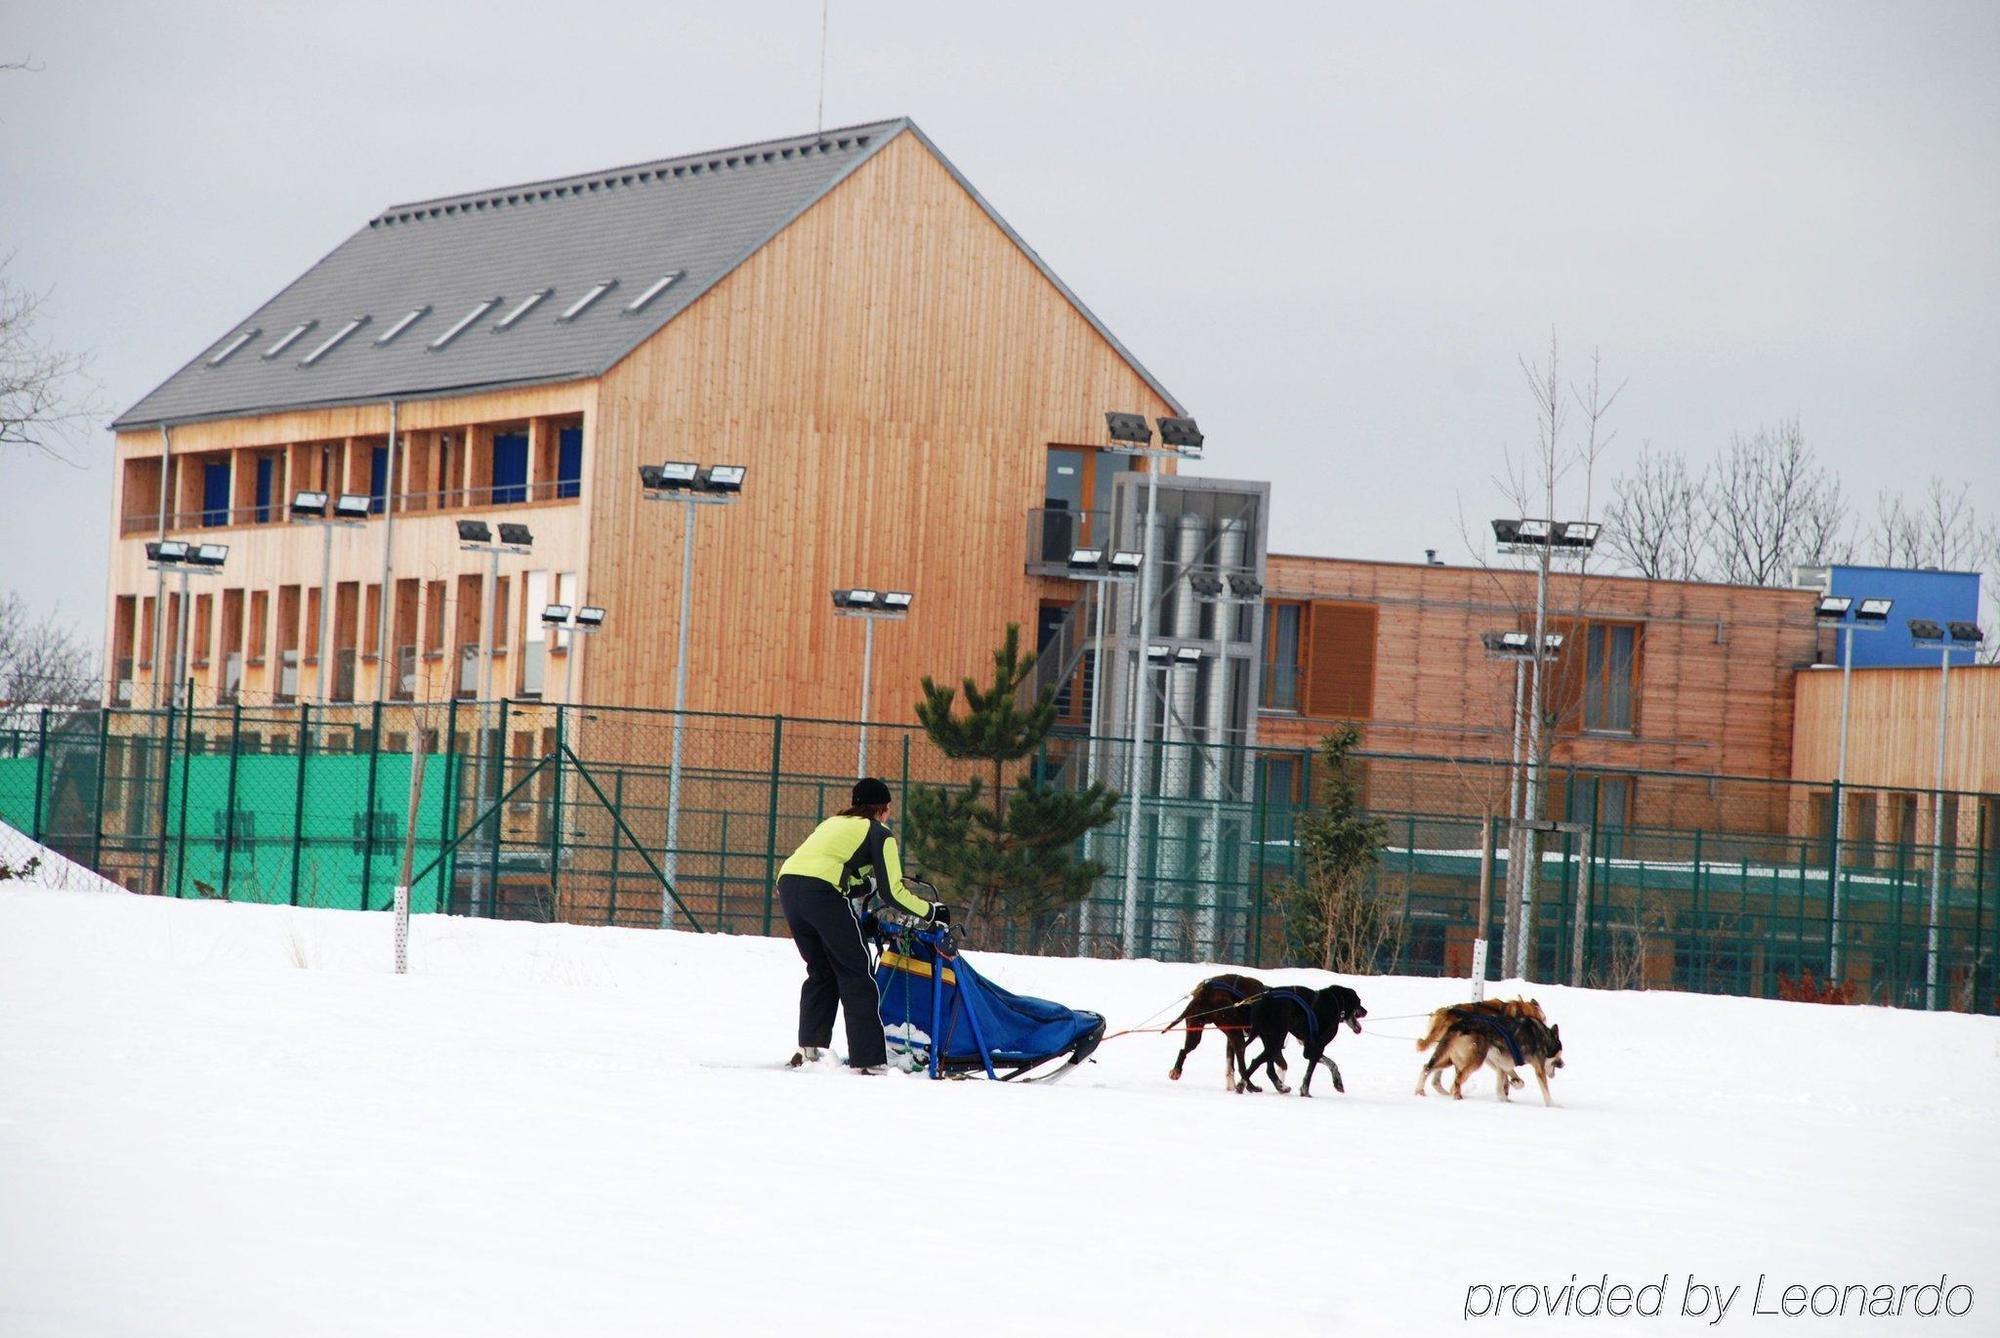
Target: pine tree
[(1334, 918), (1003, 851)]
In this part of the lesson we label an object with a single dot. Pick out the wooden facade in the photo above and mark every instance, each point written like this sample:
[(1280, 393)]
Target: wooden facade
[(892, 368), (1654, 676)]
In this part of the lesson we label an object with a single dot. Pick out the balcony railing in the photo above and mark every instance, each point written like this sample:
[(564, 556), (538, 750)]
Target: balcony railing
[(1054, 531), (412, 503)]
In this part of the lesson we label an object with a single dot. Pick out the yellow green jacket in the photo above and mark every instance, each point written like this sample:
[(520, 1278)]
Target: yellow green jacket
[(844, 851)]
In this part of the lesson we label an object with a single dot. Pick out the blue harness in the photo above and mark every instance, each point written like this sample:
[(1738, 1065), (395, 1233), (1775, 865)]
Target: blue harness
[(1298, 1000), (1499, 1026)]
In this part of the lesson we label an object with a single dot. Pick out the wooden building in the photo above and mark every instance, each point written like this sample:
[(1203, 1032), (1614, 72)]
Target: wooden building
[(841, 313), (1653, 676)]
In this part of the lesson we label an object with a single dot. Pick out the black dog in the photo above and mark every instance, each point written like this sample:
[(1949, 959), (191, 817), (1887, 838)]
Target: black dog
[(1314, 1016)]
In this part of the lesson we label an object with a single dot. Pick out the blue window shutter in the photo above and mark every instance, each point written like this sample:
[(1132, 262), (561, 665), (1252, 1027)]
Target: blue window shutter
[(378, 479), (265, 477), (569, 462), (215, 494), (510, 467)]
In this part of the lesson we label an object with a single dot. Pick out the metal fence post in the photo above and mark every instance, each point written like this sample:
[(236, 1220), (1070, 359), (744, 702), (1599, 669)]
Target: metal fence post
[(1833, 971), (771, 818), (229, 802), (1260, 802), (187, 776), (41, 775), (556, 823), (299, 797), (97, 809), (368, 804), (447, 871), (166, 797), (499, 770), (1581, 919)]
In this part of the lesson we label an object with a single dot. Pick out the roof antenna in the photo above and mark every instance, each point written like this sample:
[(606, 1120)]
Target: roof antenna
[(819, 122)]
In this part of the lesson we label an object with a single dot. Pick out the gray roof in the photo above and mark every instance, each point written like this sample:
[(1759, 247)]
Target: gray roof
[(697, 217)]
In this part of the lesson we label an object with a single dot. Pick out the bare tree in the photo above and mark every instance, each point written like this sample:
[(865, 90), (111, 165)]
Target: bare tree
[(1653, 524), (42, 660), (1767, 505), (1942, 529), (44, 396)]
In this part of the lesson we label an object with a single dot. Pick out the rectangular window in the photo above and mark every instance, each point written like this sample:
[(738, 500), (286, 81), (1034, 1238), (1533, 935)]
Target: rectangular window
[(1281, 656), (569, 462), (1340, 661), (260, 614), (534, 635), (510, 467), (215, 492), (267, 474), (378, 479), (1610, 654)]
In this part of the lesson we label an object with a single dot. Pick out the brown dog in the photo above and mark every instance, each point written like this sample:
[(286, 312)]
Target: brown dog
[(1441, 1020), (1473, 1039), (1229, 1004)]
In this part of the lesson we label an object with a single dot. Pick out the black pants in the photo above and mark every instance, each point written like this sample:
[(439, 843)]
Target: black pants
[(837, 969)]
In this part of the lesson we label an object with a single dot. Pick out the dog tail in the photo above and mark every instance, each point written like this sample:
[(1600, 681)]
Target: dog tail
[(1440, 1021)]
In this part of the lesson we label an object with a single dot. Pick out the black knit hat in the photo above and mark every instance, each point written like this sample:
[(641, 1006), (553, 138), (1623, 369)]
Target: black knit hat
[(868, 792)]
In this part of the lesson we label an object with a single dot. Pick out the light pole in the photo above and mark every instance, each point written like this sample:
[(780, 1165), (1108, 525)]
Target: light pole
[(1179, 439), (348, 511), (1871, 616), (870, 606), (475, 537), (587, 619), (693, 487), (184, 560), (1927, 635), (1518, 647), (1093, 567), (1542, 538)]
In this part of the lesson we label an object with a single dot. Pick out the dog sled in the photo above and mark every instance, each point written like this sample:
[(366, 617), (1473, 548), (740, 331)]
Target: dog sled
[(940, 1014)]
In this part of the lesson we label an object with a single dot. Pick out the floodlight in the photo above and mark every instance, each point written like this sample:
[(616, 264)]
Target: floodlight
[(1498, 643), (208, 555), (1182, 434), (1580, 534), (167, 550), (1185, 655), (1127, 560), (590, 615), (1085, 559), (899, 600), (516, 534), (555, 615), (1873, 611), (649, 478), (722, 478), (1552, 643), (1923, 629), (1507, 531), (1160, 654), (1129, 427), (854, 599), (1965, 634), (677, 474), (309, 504), (1245, 587), (1833, 608), (474, 532), (1533, 532), (351, 506), (1208, 587)]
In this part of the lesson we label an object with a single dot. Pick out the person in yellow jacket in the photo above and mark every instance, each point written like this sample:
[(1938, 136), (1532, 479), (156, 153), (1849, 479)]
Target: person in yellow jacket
[(814, 885)]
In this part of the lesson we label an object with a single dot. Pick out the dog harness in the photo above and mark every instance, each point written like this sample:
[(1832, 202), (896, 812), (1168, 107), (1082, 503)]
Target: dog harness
[(1496, 1024), (1298, 1000)]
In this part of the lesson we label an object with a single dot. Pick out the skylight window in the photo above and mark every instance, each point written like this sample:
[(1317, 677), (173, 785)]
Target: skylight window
[(463, 321), (222, 354), (332, 340), (401, 325), (578, 307), (527, 304), (659, 287), (289, 339)]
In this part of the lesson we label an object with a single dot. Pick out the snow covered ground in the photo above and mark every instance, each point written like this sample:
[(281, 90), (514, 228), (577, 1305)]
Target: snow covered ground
[(225, 1120)]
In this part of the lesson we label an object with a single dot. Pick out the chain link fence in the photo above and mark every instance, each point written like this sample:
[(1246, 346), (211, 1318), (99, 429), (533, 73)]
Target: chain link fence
[(603, 815)]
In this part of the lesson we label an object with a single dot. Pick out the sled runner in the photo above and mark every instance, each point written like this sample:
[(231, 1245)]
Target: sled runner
[(939, 1013)]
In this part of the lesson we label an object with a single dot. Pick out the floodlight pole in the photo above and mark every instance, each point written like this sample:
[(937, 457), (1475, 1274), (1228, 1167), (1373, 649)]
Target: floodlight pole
[(325, 611), (867, 676), (1531, 804), (1931, 990), (670, 861), (1839, 806), (1135, 782)]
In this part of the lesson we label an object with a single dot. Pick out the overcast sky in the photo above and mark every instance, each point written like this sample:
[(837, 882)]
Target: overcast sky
[(1331, 231)]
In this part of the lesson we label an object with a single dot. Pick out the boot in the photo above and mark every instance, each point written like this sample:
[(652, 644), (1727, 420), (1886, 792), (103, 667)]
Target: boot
[(804, 1055)]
